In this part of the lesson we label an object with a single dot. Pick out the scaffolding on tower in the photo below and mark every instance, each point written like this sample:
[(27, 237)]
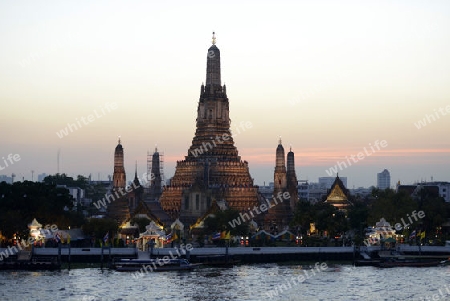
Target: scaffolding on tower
[(155, 173)]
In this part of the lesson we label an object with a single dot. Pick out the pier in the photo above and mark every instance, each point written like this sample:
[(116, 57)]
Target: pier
[(245, 254)]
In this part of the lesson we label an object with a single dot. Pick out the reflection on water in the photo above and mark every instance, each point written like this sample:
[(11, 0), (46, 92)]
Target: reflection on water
[(246, 282)]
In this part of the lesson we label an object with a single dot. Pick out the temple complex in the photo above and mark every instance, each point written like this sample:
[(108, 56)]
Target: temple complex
[(212, 176), (212, 169)]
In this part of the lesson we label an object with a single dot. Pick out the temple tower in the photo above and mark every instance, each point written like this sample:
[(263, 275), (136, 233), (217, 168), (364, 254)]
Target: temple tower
[(212, 169), (156, 175), (291, 177), (119, 207), (279, 216), (119, 178), (280, 182)]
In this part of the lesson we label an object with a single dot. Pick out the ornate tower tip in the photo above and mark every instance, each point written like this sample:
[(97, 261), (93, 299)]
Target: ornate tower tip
[(119, 139), (279, 140), (214, 38)]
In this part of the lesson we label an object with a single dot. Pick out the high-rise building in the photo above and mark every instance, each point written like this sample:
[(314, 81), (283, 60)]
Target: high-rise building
[(212, 170), (384, 179)]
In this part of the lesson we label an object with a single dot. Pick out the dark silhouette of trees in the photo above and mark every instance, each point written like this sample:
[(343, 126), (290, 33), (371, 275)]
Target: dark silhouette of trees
[(22, 201)]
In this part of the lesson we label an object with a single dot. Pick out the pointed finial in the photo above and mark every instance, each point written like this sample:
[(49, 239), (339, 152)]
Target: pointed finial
[(156, 148), (119, 139), (290, 148), (279, 140), (214, 38)]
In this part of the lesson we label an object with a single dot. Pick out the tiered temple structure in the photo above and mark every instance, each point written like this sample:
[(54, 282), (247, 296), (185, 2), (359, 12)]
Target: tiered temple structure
[(291, 179), (278, 217), (212, 170), (119, 208), (155, 188), (119, 177)]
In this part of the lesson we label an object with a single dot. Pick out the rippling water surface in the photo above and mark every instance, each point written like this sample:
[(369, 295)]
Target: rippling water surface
[(246, 282)]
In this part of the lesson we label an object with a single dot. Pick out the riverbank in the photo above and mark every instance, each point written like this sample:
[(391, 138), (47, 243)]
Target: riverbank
[(243, 254)]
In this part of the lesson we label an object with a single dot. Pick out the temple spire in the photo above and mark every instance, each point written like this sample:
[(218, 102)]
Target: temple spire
[(213, 65)]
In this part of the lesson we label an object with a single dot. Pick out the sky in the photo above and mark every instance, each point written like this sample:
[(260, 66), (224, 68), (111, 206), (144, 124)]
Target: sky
[(333, 79)]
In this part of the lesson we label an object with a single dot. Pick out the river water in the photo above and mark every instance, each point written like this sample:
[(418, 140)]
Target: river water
[(245, 282)]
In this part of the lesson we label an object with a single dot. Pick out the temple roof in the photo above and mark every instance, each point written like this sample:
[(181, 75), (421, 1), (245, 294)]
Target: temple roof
[(142, 208), (338, 194)]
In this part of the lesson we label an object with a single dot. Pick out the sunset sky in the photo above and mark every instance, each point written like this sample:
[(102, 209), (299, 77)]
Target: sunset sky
[(330, 77)]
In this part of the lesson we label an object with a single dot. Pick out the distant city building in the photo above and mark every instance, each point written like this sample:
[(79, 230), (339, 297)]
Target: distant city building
[(361, 191), (41, 177), (78, 195), (384, 179), (433, 189), (327, 182), (317, 192), (266, 191), (4, 178), (303, 190)]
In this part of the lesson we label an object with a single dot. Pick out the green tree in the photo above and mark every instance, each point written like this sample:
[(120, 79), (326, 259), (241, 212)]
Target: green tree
[(357, 215), (98, 227), (303, 216), (22, 201), (391, 205), (220, 221)]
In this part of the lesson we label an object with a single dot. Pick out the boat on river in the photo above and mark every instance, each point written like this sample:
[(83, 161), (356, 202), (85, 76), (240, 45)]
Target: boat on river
[(153, 265), (395, 262), (218, 260)]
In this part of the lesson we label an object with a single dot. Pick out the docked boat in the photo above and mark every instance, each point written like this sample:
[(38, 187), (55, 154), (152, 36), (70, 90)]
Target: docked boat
[(391, 263), (24, 260), (218, 260), (153, 265)]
